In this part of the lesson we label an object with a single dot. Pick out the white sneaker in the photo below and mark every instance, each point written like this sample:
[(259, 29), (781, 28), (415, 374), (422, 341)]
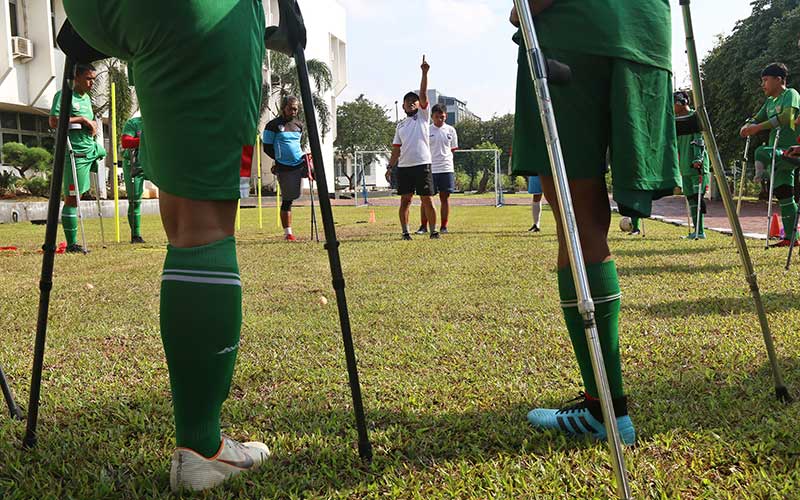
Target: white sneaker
[(192, 471)]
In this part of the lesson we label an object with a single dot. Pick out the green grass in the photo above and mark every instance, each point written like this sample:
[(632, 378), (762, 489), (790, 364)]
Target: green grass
[(457, 339)]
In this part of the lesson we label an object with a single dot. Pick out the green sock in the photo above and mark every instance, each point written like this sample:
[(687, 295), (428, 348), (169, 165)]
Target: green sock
[(69, 221), (201, 316), (135, 217), (635, 223), (788, 216), (604, 283), (698, 222)]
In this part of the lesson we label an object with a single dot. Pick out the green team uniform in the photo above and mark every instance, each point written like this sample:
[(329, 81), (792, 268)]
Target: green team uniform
[(774, 106), (619, 98), (87, 150), (198, 83), (134, 186), (197, 67), (688, 155)]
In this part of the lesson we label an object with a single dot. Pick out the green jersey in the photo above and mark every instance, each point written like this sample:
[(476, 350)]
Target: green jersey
[(636, 30), (81, 140), (689, 154), (775, 106), (133, 128)]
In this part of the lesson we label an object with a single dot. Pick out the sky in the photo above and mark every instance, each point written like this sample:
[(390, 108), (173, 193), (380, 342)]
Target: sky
[(468, 45)]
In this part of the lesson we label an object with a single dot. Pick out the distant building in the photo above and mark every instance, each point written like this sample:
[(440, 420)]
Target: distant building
[(456, 108)]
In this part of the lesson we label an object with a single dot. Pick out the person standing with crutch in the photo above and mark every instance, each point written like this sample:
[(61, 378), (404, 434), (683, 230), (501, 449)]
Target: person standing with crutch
[(133, 173), (85, 151), (624, 68), (778, 115), (694, 167)]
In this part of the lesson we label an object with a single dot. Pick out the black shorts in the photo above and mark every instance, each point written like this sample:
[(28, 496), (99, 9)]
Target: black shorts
[(415, 180)]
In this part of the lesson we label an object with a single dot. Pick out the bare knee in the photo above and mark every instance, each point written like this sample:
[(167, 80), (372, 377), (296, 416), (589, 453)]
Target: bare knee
[(191, 223)]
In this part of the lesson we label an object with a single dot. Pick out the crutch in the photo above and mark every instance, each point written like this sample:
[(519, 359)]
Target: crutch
[(314, 227), (716, 162), (772, 185), (290, 38), (539, 73), (743, 177), (700, 190), (13, 409), (77, 51), (796, 220), (100, 208), (76, 187)]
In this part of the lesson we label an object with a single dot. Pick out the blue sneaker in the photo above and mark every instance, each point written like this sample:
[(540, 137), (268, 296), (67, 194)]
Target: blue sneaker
[(585, 418)]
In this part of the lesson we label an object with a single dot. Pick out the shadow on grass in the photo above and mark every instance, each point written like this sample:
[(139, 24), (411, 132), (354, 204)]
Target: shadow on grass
[(674, 269), (773, 302), (675, 250)]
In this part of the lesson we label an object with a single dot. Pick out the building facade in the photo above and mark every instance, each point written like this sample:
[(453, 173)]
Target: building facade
[(457, 110)]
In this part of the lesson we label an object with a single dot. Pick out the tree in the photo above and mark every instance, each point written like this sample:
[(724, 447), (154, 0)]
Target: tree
[(486, 164), (362, 125), (116, 71), (285, 82), (25, 159), (470, 135), (731, 72)]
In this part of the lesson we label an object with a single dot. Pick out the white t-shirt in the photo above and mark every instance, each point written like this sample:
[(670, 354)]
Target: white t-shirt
[(444, 140), (413, 137)]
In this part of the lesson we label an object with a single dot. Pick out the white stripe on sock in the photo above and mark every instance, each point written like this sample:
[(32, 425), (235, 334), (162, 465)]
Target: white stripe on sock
[(210, 273), (598, 300), (207, 281)]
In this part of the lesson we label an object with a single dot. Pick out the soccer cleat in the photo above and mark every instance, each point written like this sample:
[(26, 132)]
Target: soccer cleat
[(443, 230), (585, 418), (435, 235), (192, 471), (785, 243), (75, 248), (693, 236), (534, 229), (635, 232), (137, 239), (406, 237), (421, 230), (290, 237)]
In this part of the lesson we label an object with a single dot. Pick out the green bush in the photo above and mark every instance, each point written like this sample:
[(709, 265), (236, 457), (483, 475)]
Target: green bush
[(462, 181), (38, 186), (7, 182)]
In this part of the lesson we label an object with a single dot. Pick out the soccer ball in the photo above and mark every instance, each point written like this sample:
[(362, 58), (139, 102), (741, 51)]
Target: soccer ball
[(625, 224)]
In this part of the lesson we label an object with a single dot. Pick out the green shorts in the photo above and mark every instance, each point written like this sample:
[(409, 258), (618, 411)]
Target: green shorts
[(611, 105), (85, 162), (691, 182), (784, 171), (134, 186), (197, 67)]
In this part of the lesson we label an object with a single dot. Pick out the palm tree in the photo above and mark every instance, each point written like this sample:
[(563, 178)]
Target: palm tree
[(108, 71), (285, 82)]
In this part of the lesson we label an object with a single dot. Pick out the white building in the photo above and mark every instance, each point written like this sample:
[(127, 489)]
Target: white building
[(31, 66)]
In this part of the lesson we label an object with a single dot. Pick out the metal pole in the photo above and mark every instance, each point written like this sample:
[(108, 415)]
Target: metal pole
[(771, 186), (743, 177), (258, 187), (13, 409), (716, 162), (77, 192), (49, 248), (332, 245), (114, 158), (537, 64), (100, 210)]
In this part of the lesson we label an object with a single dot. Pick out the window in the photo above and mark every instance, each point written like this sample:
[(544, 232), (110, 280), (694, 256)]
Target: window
[(8, 120), (30, 140), (29, 129), (27, 122), (12, 11)]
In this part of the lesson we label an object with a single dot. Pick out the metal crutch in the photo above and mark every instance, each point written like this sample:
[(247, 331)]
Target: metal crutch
[(77, 188), (538, 68), (772, 185), (719, 173), (743, 177)]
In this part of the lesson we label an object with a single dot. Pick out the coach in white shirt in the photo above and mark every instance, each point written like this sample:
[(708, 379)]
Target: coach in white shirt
[(444, 140), (411, 153)]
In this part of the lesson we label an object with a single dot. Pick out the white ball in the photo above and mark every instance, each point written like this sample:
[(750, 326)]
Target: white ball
[(625, 224), (323, 301)]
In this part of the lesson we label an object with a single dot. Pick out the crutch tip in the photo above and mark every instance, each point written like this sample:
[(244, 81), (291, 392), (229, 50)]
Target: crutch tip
[(365, 451), (783, 395), (29, 442)]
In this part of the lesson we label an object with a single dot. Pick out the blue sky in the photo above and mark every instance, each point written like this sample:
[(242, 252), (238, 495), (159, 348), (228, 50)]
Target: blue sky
[(468, 44)]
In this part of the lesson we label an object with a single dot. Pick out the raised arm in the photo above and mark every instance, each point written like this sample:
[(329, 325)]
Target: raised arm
[(423, 85)]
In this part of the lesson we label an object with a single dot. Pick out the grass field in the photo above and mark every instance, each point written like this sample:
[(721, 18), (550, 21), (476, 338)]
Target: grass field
[(457, 339)]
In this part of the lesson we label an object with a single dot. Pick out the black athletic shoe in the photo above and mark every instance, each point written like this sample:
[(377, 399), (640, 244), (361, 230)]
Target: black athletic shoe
[(421, 230), (435, 235), (534, 229), (406, 237), (444, 230), (137, 239), (75, 248), (635, 232)]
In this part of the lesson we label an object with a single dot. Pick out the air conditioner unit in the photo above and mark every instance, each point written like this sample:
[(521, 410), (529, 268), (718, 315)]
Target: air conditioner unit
[(21, 48)]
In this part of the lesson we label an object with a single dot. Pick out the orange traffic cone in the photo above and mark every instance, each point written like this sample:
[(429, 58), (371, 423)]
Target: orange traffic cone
[(775, 227), (372, 216)]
